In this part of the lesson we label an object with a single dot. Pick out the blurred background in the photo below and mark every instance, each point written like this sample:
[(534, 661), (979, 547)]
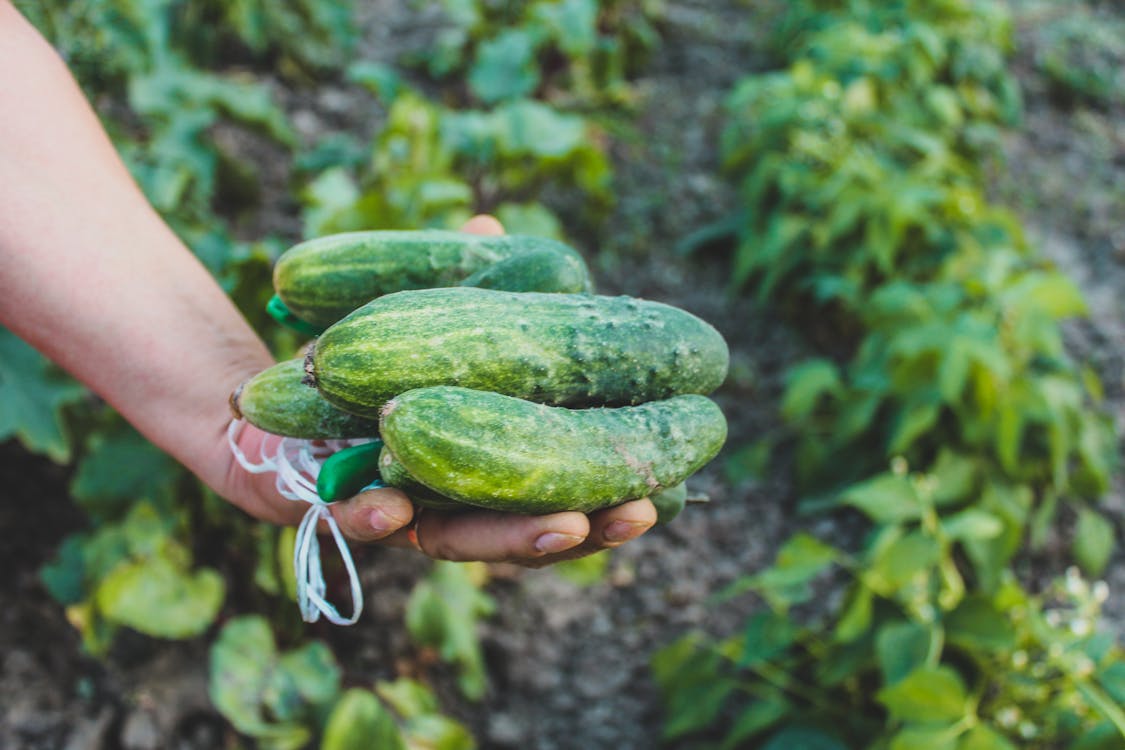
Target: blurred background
[(908, 219)]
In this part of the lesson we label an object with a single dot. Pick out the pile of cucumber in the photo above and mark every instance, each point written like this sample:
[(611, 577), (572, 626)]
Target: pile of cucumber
[(490, 372)]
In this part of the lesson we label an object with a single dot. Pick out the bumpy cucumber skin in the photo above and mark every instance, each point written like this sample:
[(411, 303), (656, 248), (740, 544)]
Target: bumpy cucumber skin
[(503, 453), (535, 270), (324, 279), (275, 400), (561, 349), (394, 474)]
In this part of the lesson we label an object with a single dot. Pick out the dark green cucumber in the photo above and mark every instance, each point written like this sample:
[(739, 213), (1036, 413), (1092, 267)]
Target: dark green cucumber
[(275, 400), (494, 451), (324, 279), (669, 502), (561, 349)]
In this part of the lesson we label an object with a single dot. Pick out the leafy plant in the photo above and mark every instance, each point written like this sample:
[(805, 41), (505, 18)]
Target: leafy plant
[(1083, 55), (566, 51), (435, 167), (443, 614), (284, 700), (864, 214)]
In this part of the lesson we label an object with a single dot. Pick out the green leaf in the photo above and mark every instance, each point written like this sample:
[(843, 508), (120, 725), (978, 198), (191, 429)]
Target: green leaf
[(359, 722), (312, 672), (122, 466), (803, 738), (806, 384), (767, 634), (241, 661), (505, 67), (157, 597), (1093, 542), (914, 420), (34, 395), (529, 218), (573, 24), (972, 523), (981, 737), (409, 698), (900, 562), (977, 624), (925, 738), (856, 619), (955, 476), (692, 685), (443, 612), (759, 715), (902, 647), (886, 499), (531, 128), (437, 732), (275, 698), (928, 694), (584, 571), (801, 559), (379, 78)]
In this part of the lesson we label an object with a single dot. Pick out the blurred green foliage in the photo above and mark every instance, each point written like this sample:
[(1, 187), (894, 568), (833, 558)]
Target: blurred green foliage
[(863, 214), (570, 52), (1083, 55)]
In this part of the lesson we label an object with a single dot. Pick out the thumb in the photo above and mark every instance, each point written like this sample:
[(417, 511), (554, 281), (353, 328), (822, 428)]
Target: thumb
[(373, 514)]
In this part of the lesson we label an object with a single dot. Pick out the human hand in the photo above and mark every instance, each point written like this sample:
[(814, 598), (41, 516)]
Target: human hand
[(387, 516)]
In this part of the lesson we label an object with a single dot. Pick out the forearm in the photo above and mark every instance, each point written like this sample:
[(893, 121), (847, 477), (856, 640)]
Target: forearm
[(93, 278)]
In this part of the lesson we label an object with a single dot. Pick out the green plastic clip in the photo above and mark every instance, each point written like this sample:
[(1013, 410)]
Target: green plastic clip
[(349, 471), (282, 314)]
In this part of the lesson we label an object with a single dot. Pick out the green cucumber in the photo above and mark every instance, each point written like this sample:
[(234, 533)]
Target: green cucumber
[(324, 279), (275, 400), (394, 474), (504, 453), (563, 349), (669, 502)]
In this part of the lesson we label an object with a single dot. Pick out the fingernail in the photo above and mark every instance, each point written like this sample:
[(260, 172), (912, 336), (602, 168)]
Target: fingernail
[(381, 523), (623, 531), (553, 542)]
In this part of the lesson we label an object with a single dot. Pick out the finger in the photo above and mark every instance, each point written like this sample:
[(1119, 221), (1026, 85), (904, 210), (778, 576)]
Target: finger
[(491, 536), (609, 528), (373, 515), (483, 224)]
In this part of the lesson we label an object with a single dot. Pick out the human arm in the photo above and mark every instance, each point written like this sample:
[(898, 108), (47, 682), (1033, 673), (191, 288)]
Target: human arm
[(92, 277)]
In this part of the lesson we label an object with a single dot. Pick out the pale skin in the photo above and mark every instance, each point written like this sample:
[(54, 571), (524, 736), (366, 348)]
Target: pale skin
[(92, 277)]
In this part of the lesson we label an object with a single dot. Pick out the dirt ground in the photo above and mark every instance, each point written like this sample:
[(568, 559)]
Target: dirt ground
[(568, 665)]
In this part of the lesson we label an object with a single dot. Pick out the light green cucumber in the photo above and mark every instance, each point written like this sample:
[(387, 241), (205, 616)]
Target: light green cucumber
[(324, 279), (493, 451), (275, 400), (394, 474), (561, 349)]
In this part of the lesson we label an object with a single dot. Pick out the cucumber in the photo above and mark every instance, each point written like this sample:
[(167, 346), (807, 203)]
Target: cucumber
[(669, 503), (275, 400), (503, 453), (561, 349), (324, 279), (394, 474)]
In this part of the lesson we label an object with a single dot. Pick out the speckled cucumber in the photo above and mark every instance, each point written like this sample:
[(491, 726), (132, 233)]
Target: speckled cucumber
[(668, 502), (503, 453), (561, 349), (324, 279), (276, 401)]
